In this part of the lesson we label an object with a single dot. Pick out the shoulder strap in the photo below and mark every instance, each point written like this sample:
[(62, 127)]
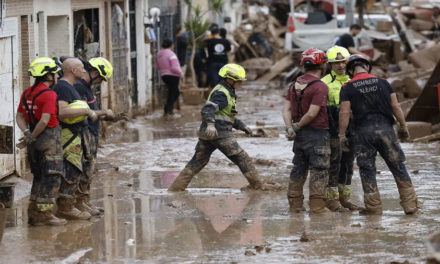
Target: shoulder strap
[(32, 119), (299, 111)]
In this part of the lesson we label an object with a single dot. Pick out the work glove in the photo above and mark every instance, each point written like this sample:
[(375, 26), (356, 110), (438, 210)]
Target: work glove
[(28, 137), (247, 130), (21, 143), (109, 114), (290, 133), (92, 116), (403, 132), (211, 131), (343, 141)]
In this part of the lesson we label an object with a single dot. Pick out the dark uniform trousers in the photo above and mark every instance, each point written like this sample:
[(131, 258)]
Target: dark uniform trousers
[(374, 135), (45, 157), (228, 146), (347, 162), (311, 150)]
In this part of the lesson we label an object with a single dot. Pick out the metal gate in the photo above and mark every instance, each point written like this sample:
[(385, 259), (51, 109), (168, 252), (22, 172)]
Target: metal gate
[(8, 95)]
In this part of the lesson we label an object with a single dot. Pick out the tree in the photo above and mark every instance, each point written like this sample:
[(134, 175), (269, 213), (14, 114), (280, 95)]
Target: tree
[(197, 26)]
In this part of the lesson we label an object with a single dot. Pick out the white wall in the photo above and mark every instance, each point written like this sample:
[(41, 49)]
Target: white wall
[(58, 35), (144, 64), (51, 8)]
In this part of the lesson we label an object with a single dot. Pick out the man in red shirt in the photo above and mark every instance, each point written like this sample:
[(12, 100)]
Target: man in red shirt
[(37, 118), (305, 116)]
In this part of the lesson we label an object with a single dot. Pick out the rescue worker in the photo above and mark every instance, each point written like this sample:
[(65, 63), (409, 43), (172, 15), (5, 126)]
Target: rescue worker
[(374, 105), (37, 119), (97, 70), (215, 132), (306, 120), (72, 138), (337, 196)]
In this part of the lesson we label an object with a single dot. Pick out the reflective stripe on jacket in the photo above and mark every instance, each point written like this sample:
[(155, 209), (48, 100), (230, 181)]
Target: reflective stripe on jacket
[(334, 82)]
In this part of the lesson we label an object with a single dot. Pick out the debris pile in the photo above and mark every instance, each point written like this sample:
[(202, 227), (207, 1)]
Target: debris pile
[(261, 39)]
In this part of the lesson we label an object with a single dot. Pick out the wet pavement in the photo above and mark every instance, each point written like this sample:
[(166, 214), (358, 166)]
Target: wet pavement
[(214, 222)]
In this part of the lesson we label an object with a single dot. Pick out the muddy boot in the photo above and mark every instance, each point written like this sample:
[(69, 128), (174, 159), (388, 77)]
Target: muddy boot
[(331, 197), (182, 181), (296, 197), (254, 181), (317, 184), (32, 210), (373, 205), (81, 204), (43, 216), (344, 198), (408, 197), (67, 210), (94, 208)]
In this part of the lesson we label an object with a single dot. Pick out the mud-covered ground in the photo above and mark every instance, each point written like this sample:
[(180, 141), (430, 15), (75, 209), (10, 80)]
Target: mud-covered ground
[(214, 222)]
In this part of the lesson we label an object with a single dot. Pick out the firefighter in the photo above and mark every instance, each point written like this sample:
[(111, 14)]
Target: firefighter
[(37, 119), (75, 148), (373, 104), (97, 70), (306, 120), (215, 132), (341, 162)]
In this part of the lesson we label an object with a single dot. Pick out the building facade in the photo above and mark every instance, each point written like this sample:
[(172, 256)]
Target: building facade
[(113, 29)]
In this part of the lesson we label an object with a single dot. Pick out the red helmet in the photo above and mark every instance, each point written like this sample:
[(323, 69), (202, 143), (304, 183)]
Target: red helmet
[(357, 60), (313, 56)]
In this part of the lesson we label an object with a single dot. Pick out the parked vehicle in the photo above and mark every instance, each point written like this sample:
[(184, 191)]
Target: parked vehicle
[(301, 36)]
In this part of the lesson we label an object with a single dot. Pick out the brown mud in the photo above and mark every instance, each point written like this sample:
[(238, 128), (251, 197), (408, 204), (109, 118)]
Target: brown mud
[(213, 221)]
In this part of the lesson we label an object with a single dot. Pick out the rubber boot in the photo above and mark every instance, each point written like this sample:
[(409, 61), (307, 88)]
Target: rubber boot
[(81, 204), (408, 197), (344, 198), (331, 197), (254, 180), (87, 201), (296, 197), (182, 181), (317, 184), (373, 204), (32, 208), (44, 216), (67, 210)]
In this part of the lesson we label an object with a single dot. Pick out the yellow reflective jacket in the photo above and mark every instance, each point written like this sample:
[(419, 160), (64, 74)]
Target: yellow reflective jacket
[(334, 82)]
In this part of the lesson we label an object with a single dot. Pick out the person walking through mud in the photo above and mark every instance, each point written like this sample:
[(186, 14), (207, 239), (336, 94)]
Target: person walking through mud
[(337, 195), (72, 112), (170, 71), (97, 70), (373, 104), (306, 120), (215, 132), (37, 118)]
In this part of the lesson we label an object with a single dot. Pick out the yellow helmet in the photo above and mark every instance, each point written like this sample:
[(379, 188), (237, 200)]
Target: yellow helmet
[(233, 71), (337, 54), (42, 66), (103, 66), (77, 104)]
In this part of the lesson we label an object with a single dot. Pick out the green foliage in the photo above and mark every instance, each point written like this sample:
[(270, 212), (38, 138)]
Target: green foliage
[(196, 24)]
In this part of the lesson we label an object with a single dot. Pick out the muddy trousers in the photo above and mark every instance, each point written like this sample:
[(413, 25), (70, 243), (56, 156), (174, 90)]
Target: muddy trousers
[(311, 152), (347, 163), (90, 146), (379, 136), (46, 161), (228, 146)]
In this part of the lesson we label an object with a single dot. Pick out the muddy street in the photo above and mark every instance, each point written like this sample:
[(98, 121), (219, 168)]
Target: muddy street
[(215, 222)]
